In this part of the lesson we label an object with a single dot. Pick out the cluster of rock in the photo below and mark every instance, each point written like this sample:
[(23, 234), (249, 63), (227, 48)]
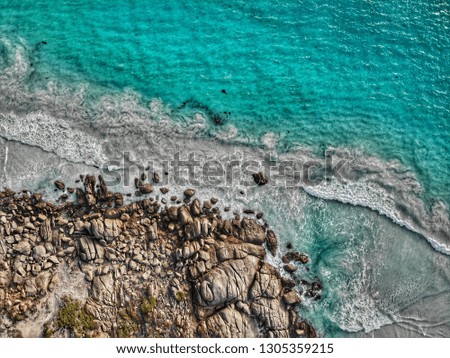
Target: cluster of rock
[(147, 269)]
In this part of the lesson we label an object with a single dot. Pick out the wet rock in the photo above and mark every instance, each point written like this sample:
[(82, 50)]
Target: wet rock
[(89, 190), (228, 322), (108, 229), (156, 178), (189, 193), (295, 256), (184, 216), (60, 184), (252, 232), (260, 178), (46, 230), (118, 199), (272, 242), (146, 189), (290, 267)]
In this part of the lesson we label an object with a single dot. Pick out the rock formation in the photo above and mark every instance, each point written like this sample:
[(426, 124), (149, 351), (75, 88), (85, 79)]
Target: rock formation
[(98, 268)]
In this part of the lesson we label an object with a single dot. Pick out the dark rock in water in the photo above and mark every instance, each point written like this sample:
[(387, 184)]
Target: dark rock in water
[(295, 256), (289, 246), (81, 198), (260, 178), (189, 193), (305, 330), (272, 242), (137, 183), (196, 209), (290, 267), (223, 91), (60, 184), (173, 198), (259, 215), (288, 282), (252, 232), (183, 269), (156, 178), (143, 177), (70, 190), (164, 190), (214, 201), (146, 189), (207, 205), (184, 216), (249, 211)]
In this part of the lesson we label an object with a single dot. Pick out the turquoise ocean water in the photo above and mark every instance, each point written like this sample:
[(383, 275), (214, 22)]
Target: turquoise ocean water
[(367, 76)]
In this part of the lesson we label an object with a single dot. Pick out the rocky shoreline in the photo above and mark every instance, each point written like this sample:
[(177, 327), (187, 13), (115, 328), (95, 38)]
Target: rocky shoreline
[(157, 267)]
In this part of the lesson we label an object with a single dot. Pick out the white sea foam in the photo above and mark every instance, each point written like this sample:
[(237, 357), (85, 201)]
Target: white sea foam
[(62, 121)]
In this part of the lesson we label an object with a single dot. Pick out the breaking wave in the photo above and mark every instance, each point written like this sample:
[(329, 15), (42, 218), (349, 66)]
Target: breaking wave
[(82, 124)]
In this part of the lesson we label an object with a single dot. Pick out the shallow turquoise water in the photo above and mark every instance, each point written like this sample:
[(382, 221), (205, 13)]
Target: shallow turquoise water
[(366, 75)]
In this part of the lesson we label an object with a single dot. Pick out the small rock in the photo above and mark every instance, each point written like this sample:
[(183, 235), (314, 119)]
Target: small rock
[(290, 267), (60, 184), (272, 242), (23, 247)]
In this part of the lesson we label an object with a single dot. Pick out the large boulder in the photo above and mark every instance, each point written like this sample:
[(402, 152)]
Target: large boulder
[(252, 232)]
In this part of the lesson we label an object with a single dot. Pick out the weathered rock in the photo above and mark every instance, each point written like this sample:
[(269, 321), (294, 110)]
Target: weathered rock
[(290, 267), (252, 232), (89, 190), (228, 323), (118, 199), (272, 242), (181, 271), (196, 209), (108, 229), (291, 298), (184, 216), (189, 193)]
